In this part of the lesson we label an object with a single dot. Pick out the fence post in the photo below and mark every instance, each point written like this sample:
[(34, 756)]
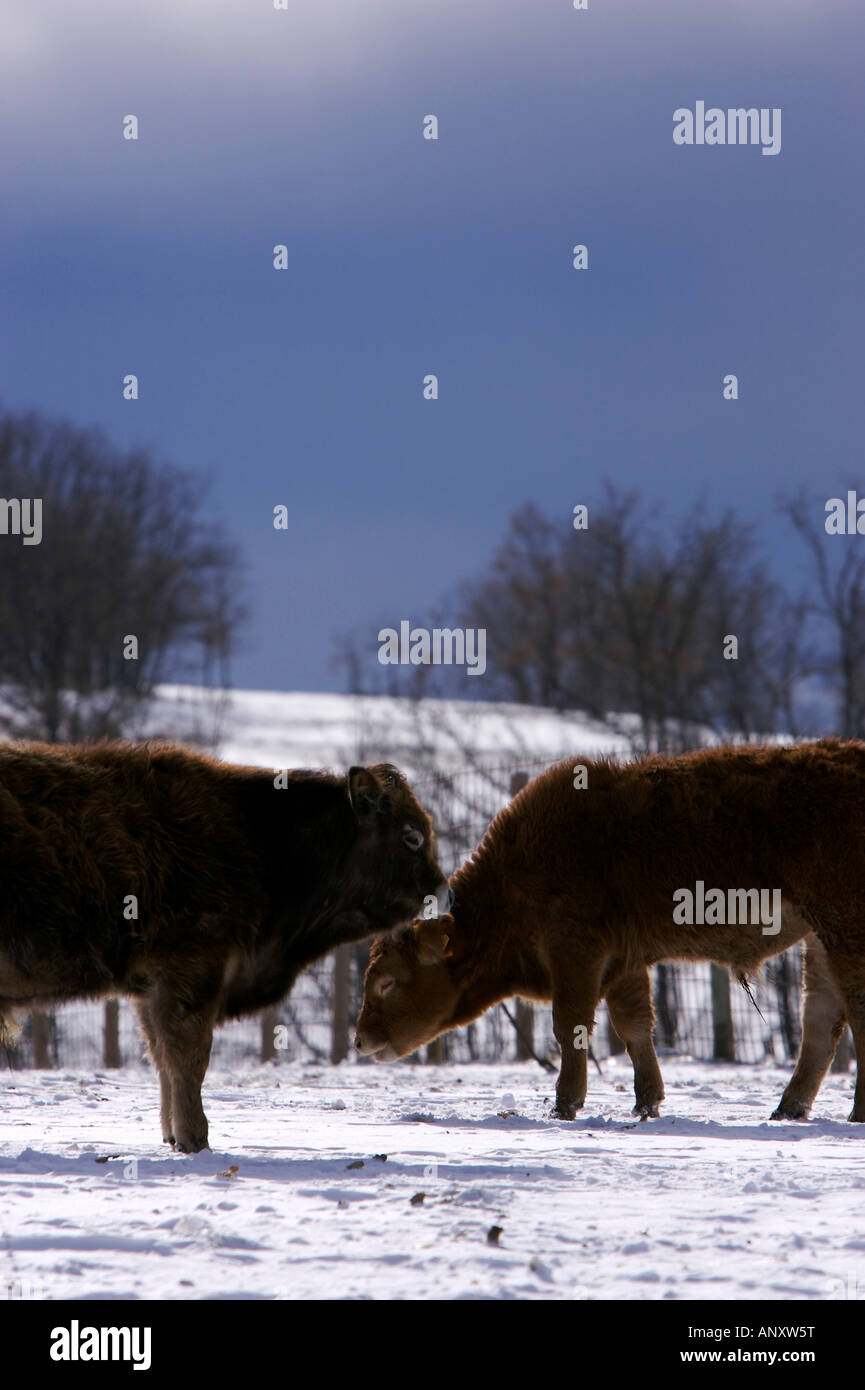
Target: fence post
[(339, 1015), (665, 1005), (525, 1014), (435, 1051), (40, 1036), (614, 1042), (841, 1060), (269, 1018), (111, 1035), (788, 988), (722, 1018)]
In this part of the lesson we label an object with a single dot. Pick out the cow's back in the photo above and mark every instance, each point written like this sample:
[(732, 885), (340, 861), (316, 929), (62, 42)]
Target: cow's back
[(111, 852)]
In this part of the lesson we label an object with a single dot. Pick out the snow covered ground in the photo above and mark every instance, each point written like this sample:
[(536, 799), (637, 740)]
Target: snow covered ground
[(385, 1183)]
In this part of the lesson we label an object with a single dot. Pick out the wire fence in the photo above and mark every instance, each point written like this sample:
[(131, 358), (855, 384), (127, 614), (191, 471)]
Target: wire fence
[(700, 1010)]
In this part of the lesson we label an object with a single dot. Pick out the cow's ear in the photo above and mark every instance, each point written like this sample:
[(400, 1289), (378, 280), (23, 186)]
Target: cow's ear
[(364, 792), (434, 940)]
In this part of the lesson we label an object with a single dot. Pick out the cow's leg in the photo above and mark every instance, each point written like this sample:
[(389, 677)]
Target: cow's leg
[(155, 1052), (629, 1001), (854, 999), (848, 972), (184, 1039), (576, 994), (823, 1020)]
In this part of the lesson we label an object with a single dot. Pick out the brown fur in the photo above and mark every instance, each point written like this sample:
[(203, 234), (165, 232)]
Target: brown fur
[(239, 885), (569, 898)]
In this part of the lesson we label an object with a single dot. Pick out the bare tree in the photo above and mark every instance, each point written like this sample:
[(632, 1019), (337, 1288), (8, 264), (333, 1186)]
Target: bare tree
[(628, 621), (838, 567), (126, 584)]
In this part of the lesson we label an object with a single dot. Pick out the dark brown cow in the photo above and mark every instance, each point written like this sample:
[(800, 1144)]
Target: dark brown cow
[(199, 888), (572, 894)]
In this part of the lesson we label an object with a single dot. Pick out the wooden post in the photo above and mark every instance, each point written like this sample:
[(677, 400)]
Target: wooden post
[(339, 1015), (525, 1014), (724, 1049), (111, 1034), (841, 1060), (40, 1033), (665, 1005), (435, 1051), (614, 1042), (269, 1018), (524, 1037)]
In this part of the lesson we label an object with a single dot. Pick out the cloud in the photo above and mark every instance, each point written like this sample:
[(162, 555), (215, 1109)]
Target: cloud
[(315, 107)]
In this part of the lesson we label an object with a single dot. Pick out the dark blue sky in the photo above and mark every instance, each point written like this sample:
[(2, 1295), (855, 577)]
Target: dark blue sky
[(408, 256)]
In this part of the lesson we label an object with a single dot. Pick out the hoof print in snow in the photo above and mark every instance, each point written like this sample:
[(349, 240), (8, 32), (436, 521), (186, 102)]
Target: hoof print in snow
[(493, 1234), (417, 1199), (358, 1163)]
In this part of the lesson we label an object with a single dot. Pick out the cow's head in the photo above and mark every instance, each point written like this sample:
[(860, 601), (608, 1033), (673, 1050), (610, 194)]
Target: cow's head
[(395, 850), (410, 990)]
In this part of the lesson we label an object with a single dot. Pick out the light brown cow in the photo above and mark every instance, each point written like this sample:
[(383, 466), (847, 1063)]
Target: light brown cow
[(573, 894)]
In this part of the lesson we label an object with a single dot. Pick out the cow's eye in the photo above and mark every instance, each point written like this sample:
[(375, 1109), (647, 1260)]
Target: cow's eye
[(385, 985), (412, 837)]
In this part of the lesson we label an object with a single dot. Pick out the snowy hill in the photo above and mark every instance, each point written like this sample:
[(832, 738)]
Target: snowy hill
[(271, 729)]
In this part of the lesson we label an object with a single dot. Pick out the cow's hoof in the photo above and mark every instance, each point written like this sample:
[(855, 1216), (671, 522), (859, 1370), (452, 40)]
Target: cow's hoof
[(565, 1110), (649, 1110), (857, 1116), (791, 1110), (168, 1138), (192, 1145)]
